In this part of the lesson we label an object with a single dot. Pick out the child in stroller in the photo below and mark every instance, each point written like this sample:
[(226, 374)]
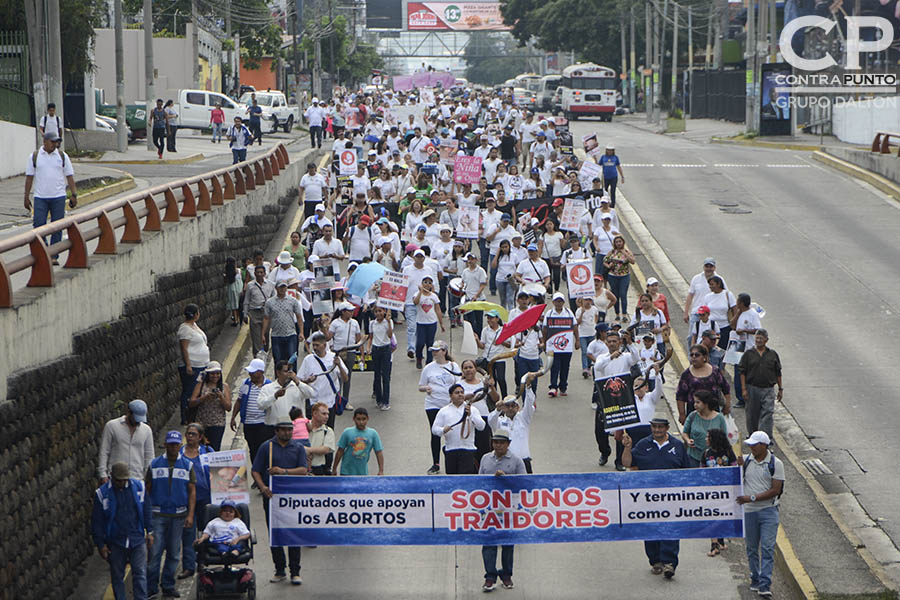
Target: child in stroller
[(227, 540)]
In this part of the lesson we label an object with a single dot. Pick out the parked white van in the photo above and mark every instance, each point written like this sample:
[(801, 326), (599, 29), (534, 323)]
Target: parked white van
[(194, 108)]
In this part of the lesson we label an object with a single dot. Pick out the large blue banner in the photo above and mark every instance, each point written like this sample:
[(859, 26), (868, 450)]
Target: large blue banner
[(513, 509)]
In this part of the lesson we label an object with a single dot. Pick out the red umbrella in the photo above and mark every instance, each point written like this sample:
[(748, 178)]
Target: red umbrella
[(523, 322)]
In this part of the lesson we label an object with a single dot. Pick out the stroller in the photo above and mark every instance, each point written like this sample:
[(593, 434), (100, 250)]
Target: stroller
[(216, 573)]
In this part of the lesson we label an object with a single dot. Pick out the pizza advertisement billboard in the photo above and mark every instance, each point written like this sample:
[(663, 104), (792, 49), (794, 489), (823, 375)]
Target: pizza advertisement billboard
[(455, 16)]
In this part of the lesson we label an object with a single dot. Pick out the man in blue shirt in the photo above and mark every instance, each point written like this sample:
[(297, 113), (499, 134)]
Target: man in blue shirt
[(255, 112), (280, 455), (657, 451), (356, 445), (612, 172), (121, 525)]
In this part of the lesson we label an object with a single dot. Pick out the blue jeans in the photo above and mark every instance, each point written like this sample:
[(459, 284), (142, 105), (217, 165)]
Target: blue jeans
[(618, 285), (526, 365), (409, 313), (507, 293), (57, 209), (238, 155), (489, 555), (137, 557), (662, 551), (167, 532), (187, 388), (424, 339), (559, 371), (217, 132), (598, 263), (760, 528), (585, 361), (283, 347), (381, 362), (483, 253), (188, 554), (492, 282)]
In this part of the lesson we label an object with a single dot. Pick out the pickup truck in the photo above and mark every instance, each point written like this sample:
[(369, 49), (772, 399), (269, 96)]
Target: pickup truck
[(275, 110), (194, 108)]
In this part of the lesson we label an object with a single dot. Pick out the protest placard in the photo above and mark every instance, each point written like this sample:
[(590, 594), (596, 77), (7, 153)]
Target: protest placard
[(590, 143), (580, 274), (448, 149), (467, 226), (573, 210), (227, 475), (588, 171), (617, 401), (520, 509), (392, 293), (348, 162), (560, 336), (327, 273), (467, 169)]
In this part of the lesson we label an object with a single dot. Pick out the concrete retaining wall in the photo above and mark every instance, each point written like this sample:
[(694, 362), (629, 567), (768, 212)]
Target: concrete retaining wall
[(86, 139), (858, 122), (886, 165), (84, 348), (19, 142)]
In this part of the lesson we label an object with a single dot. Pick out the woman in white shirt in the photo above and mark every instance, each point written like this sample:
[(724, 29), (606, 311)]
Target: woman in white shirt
[(514, 184), (551, 246), (603, 298), (573, 253), (435, 381), (560, 183), (505, 264), (489, 348), (385, 185), (721, 305), (413, 218), (649, 319), (193, 356), (586, 317), (603, 243), (533, 187), (428, 317), (473, 386)]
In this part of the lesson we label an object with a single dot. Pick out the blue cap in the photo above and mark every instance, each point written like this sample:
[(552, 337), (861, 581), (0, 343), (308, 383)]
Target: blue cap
[(173, 437), (602, 326), (138, 410), (228, 502), (532, 247), (535, 170), (505, 217), (493, 313), (541, 134), (423, 227)]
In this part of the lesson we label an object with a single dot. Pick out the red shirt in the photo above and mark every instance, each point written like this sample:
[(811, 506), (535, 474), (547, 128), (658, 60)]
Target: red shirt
[(662, 304), (217, 116)]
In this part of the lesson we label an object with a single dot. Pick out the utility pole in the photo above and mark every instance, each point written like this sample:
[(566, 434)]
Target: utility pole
[(648, 62), (34, 19), (656, 65), (662, 46), (690, 76), (632, 101), (332, 78), (709, 29), (229, 85), (723, 26), (149, 75), (121, 131), (195, 43), (674, 94), (623, 78), (773, 29), (54, 64), (750, 55)]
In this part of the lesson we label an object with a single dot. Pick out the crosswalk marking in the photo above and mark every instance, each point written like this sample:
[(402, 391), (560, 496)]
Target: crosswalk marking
[(789, 166)]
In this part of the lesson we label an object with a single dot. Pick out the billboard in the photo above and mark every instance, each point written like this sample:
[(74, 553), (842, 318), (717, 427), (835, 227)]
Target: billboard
[(455, 16), (384, 14)]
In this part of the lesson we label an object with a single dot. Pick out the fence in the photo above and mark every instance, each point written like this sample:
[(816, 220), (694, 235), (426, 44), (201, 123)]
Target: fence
[(719, 95), (157, 205), (14, 70)]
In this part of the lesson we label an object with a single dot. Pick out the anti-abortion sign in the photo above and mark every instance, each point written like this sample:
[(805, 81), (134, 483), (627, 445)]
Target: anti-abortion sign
[(559, 332), (573, 210), (227, 475), (467, 169), (588, 171), (348, 162), (467, 225), (580, 274), (617, 401), (392, 293), (512, 509)]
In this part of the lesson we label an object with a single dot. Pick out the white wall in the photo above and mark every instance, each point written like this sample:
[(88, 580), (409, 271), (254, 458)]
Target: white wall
[(19, 141), (858, 122)]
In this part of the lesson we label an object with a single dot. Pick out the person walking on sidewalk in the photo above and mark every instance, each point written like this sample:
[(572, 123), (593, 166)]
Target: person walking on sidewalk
[(172, 125), (127, 439), (763, 484), (121, 526), (158, 125), (500, 462), (760, 370), (217, 121), (49, 171), (50, 122), (255, 112), (239, 137)]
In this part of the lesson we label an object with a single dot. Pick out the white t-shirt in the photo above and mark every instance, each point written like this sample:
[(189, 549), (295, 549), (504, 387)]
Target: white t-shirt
[(528, 130), (440, 378), (514, 185), (473, 279), (533, 271), (344, 333), (552, 245), (361, 184), (488, 337), (333, 248), (426, 313), (49, 174), (360, 243), (603, 239), (323, 390), (475, 388), (503, 233), (718, 306), (650, 322), (469, 200), (700, 288), (386, 188), (749, 319), (597, 348), (379, 331), (312, 187), (597, 220), (415, 279), (51, 124), (222, 532), (506, 266), (588, 321), (198, 350), (490, 168), (700, 327)]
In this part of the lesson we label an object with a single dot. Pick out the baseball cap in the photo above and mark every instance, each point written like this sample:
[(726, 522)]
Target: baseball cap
[(384, 240), (648, 336), (532, 247), (709, 333), (227, 503), (493, 313), (703, 310), (255, 366), (505, 217), (439, 345), (470, 256), (602, 326), (559, 296), (411, 247), (758, 437), (410, 190), (213, 367), (119, 471), (281, 283), (173, 437), (365, 220), (604, 200), (709, 260), (373, 153), (558, 202), (652, 281), (51, 136), (610, 146), (541, 134), (502, 434), (428, 213), (382, 220), (535, 220), (138, 410), (319, 207), (422, 227), (352, 265), (604, 217), (419, 252)]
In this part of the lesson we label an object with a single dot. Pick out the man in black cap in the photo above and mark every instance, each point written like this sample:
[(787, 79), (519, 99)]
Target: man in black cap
[(657, 451), (280, 455), (500, 462)]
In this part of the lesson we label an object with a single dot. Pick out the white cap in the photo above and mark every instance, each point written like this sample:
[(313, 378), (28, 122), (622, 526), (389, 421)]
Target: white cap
[(610, 146), (320, 206), (758, 437), (315, 100), (419, 252), (652, 281), (255, 365), (345, 306), (284, 258), (559, 296), (384, 240), (410, 190), (311, 259)]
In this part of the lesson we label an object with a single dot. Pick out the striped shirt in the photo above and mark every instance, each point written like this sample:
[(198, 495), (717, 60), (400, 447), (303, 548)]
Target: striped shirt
[(255, 415)]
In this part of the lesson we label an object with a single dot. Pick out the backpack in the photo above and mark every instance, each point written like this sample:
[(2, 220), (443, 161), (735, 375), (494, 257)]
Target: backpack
[(771, 469), (62, 157)]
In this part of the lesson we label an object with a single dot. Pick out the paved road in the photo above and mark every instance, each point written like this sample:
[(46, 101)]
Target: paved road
[(819, 252)]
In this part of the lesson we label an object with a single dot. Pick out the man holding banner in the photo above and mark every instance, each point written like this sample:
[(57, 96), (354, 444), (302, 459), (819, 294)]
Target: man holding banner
[(658, 451)]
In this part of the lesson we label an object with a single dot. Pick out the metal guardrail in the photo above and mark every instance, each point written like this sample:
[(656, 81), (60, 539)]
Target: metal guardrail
[(159, 204), (882, 142)]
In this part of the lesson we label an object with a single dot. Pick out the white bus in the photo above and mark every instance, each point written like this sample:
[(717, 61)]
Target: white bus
[(529, 81), (548, 85), (588, 90)]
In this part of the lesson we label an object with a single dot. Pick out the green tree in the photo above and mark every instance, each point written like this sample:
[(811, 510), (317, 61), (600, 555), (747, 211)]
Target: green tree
[(350, 67), (492, 58)]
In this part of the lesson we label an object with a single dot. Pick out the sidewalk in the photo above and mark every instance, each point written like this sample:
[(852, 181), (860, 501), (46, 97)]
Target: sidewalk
[(191, 145)]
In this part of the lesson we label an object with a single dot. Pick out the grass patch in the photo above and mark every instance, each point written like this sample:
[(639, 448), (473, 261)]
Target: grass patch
[(96, 183), (84, 154), (674, 125)]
